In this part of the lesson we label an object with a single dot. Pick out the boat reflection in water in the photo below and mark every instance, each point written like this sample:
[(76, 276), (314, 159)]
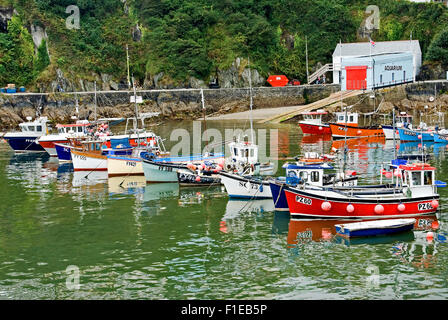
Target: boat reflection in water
[(235, 209), (136, 185), (307, 230), (280, 225)]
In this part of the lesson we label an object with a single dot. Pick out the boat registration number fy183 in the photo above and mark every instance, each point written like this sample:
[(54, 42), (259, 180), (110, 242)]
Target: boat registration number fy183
[(425, 206), (303, 200)]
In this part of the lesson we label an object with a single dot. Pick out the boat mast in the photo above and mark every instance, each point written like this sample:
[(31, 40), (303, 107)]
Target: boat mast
[(136, 112), (251, 101), (203, 113), (393, 128)]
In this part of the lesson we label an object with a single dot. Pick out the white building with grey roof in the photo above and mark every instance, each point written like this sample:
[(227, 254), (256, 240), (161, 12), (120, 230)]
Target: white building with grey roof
[(350, 51)]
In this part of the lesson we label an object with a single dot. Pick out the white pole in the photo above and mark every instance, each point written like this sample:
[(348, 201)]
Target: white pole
[(306, 52), (127, 64), (251, 101)]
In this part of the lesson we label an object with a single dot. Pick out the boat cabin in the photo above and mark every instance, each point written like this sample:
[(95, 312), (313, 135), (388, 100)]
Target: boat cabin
[(314, 175), (420, 179), (100, 147), (37, 127), (244, 152), (77, 129), (403, 120), (314, 117), (351, 119)]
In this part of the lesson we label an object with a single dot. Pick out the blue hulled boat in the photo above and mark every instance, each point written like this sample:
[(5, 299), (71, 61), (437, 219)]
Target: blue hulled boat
[(26, 140), (374, 228), (415, 135)]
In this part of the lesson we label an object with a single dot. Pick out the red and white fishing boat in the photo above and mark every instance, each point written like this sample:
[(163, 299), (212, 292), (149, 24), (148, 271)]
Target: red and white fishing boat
[(312, 122), (414, 194), (78, 129)]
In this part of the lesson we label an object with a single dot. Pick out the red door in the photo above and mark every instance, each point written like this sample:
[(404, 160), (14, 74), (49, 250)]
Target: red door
[(356, 77)]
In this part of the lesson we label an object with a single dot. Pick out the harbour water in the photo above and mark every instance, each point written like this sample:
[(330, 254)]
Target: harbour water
[(129, 240)]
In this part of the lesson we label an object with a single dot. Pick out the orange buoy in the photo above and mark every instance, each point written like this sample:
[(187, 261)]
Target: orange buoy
[(430, 236)]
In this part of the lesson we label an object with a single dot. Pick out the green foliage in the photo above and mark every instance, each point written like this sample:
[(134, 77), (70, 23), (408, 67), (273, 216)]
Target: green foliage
[(42, 59), (16, 54), (197, 38), (438, 49)]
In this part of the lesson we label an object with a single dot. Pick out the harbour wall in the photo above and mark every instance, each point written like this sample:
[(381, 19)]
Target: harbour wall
[(180, 104)]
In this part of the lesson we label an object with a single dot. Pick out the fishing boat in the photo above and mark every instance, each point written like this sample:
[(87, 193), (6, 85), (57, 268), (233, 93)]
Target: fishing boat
[(131, 164), (93, 155), (415, 135), (26, 140), (308, 176), (402, 120), (415, 193), (312, 123), (340, 131), (245, 187), (374, 228), (65, 131), (160, 171)]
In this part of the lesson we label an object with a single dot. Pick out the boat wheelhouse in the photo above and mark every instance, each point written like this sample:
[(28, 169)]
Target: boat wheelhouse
[(402, 120), (74, 130)]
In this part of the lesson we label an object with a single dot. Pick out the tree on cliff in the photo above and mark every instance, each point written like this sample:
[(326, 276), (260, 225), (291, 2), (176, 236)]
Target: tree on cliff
[(438, 49), (16, 54)]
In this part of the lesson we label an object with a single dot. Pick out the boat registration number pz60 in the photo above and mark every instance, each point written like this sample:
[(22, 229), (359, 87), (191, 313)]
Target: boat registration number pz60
[(425, 206), (303, 200)]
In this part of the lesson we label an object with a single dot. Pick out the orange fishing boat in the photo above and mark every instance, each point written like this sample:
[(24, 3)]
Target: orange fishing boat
[(340, 131)]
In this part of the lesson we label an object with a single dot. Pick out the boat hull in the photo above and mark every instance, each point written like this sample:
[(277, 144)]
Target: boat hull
[(308, 128), (159, 172), (411, 135), (390, 133), (239, 187), (50, 147), (439, 138), (124, 166), (368, 229), (339, 131), (63, 152), (86, 161), (24, 143), (309, 204)]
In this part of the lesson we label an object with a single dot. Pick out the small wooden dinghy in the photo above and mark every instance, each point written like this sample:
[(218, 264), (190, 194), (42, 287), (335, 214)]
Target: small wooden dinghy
[(374, 228)]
